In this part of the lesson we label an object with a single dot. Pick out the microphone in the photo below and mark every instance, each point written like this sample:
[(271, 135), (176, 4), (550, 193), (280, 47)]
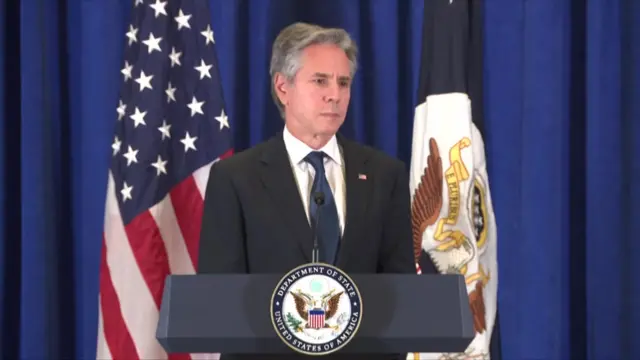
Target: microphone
[(318, 198)]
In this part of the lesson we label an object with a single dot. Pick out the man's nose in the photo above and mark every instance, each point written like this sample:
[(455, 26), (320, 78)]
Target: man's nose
[(332, 93)]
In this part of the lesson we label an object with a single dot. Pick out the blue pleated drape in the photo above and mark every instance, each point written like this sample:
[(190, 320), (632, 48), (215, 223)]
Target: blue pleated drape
[(563, 119), (3, 216), (562, 130)]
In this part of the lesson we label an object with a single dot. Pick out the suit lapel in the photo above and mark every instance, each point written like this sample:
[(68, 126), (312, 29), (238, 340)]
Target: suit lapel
[(278, 178), (358, 185)]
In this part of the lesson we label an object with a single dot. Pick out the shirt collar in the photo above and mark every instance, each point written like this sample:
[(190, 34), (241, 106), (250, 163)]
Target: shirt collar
[(298, 150)]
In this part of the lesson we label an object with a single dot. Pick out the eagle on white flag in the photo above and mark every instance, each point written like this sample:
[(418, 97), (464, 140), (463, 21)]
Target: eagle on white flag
[(452, 213)]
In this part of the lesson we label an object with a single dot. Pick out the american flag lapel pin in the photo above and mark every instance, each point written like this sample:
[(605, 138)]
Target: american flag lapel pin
[(362, 177)]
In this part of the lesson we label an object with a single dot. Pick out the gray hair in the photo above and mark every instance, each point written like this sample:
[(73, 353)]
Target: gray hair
[(292, 40)]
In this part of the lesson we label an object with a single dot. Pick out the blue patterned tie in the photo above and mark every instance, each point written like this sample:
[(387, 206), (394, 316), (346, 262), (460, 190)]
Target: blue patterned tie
[(328, 228)]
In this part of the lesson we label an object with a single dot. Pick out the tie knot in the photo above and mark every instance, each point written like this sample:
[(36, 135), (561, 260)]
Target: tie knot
[(316, 159)]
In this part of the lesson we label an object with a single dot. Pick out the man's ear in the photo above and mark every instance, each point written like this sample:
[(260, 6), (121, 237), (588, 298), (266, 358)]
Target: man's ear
[(281, 86)]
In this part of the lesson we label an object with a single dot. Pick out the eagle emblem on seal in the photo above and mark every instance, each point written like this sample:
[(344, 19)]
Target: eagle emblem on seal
[(317, 311)]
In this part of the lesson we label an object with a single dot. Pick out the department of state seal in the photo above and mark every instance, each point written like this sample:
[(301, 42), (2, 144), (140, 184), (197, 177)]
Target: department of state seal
[(316, 309)]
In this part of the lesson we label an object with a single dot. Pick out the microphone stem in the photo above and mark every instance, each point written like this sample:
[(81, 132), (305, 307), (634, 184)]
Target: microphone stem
[(315, 253)]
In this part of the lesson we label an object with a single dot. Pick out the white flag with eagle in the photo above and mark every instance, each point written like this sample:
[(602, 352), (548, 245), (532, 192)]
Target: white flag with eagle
[(452, 213)]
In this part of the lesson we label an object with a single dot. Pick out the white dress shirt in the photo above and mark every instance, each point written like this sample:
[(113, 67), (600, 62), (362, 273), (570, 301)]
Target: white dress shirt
[(304, 172)]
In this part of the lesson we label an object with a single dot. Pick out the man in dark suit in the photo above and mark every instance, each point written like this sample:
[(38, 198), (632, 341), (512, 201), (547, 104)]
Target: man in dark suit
[(260, 203)]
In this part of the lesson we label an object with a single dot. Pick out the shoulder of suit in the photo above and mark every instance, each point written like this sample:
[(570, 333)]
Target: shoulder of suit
[(245, 158)]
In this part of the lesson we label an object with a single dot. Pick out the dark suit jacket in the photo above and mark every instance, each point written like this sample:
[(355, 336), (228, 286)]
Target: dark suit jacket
[(254, 220)]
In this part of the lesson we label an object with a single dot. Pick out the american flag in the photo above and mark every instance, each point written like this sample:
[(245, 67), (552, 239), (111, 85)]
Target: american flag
[(170, 127)]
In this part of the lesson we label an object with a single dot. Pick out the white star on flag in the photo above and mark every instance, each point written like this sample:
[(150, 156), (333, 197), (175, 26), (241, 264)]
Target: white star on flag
[(160, 166), (164, 129), (158, 7), (131, 156), (189, 142), (144, 81), (153, 43), (175, 57), (183, 20), (208, 35), (203, 69), (132, 35), (196, 107), (171, 93), (116, 145), (223, 120), (126, 192), (126, 71), (122, 108), (138, 117)]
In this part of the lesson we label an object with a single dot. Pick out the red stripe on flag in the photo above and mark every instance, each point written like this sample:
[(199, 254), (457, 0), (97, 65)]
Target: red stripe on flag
[(180, 356), (227, 154), (115, 330), (186, 356), (150, 253), (188, 206)]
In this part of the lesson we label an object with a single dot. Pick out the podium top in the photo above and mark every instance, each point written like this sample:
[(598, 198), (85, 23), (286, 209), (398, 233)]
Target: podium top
[(231, 314)]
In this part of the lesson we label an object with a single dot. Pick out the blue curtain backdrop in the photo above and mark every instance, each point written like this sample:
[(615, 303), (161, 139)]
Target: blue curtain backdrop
[(562, 82)]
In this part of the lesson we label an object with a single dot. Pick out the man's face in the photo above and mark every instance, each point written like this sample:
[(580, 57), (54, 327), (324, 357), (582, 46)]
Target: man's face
[(317, 100)]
